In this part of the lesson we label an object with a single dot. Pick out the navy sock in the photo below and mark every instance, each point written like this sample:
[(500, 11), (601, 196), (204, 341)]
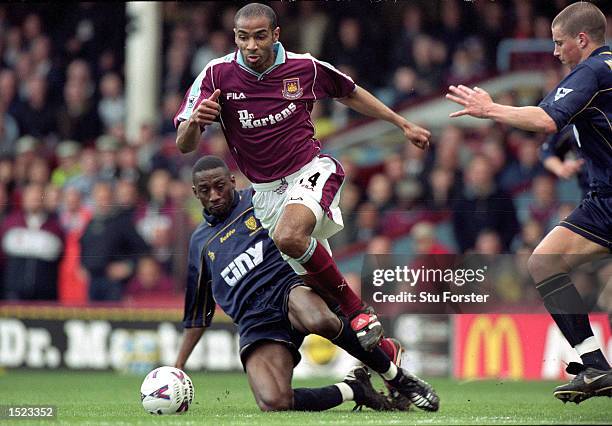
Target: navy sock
[(566, 307), (595, 359), (316, 399), (377, 360)]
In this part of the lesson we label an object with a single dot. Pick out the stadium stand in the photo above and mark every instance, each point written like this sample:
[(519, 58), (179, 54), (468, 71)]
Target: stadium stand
[(62, 110)]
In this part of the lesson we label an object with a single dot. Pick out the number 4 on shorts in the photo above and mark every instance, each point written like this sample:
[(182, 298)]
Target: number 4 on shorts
[(312, 180)]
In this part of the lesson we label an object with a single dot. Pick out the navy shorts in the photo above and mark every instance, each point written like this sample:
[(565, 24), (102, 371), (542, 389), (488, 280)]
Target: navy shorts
[(266, 319), (592, 219)]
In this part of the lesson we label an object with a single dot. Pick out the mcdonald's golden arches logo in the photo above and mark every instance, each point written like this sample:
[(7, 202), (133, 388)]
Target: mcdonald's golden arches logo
[(493, 336)]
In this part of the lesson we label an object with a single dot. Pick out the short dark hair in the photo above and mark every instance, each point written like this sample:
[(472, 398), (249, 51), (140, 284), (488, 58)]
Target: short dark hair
[(582, 17), (208, 162), (252, 10)]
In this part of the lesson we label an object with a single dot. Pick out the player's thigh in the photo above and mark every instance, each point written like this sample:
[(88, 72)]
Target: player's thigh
[(312, 200), (560, 251), (308, 313), (269, 369), (296, 220)]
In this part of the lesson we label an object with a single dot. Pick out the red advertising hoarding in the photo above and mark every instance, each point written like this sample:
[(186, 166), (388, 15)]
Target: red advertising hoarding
[(517, 346)]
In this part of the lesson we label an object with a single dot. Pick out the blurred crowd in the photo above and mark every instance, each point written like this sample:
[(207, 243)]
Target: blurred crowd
[(88, 214)]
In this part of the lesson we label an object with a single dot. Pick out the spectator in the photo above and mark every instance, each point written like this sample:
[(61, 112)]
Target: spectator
[(349, 202), (544, 203), (404, 85), (35, 114), (127, 197), (310, 37), (87, 177), (154, 220), (5, 205), (110, 247), (38, 171), (450, 30), (532, 233), (150, 281), (380, 193), (111, 107), (74, 217), (481, 205), (14, 46), (518, 175), (488, 243), (32, 247), (67, 153), (412, 26), (218, 45), (368, 222), (8, 91), (107, 147), (354, 50), (9, 132), (27, 149), (127, 167), (77, 118), (441, 190), (425, 241), (148, 143)]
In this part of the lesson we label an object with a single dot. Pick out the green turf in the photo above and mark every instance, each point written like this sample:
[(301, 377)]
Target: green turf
[(113, 399)]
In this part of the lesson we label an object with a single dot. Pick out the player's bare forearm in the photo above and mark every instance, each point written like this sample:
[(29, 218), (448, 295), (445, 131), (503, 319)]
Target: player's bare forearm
[(366, 103), (530, 118), (191, 337), (188, 135), (478, 103)]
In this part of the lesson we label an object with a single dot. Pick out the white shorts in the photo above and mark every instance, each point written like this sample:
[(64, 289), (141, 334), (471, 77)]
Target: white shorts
[(317, 186)]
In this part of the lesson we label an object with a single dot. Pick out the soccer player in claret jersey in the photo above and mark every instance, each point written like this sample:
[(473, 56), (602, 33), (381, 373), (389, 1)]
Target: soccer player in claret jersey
[(233, 262), (262, 96), (583, 98)]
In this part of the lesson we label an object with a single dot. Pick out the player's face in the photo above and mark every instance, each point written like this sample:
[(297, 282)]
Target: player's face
[(566, 48), (255, 38), (215, 190)]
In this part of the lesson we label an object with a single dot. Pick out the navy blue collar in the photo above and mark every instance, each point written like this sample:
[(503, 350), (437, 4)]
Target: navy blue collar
[(214, 220), (600, 50)]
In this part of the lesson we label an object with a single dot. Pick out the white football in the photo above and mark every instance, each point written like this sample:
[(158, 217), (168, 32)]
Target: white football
[(166, 390)]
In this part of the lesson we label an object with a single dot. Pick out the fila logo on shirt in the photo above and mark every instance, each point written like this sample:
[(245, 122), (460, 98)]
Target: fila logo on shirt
[(242, 264), (248, 120), (561, 92), (235, 96)]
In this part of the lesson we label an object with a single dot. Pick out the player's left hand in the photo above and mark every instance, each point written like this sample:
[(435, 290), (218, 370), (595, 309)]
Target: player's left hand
[(476, 101), (417, 135)]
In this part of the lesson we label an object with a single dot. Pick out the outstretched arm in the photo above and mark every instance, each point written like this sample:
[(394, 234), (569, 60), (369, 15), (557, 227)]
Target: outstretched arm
[(478, 103), (365, 103), (190, 338)]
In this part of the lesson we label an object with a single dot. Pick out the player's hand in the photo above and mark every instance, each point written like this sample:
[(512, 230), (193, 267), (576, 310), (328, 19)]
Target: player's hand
[(208, 110), (476, 101), (417, 135), (570, 168)]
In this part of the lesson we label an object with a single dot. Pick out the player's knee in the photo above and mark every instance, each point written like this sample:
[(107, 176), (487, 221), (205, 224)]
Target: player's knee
[(290, 241), (275, 401), (542, 265)]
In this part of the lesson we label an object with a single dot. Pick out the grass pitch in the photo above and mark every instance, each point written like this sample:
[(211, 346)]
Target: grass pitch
[(225, 399)]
